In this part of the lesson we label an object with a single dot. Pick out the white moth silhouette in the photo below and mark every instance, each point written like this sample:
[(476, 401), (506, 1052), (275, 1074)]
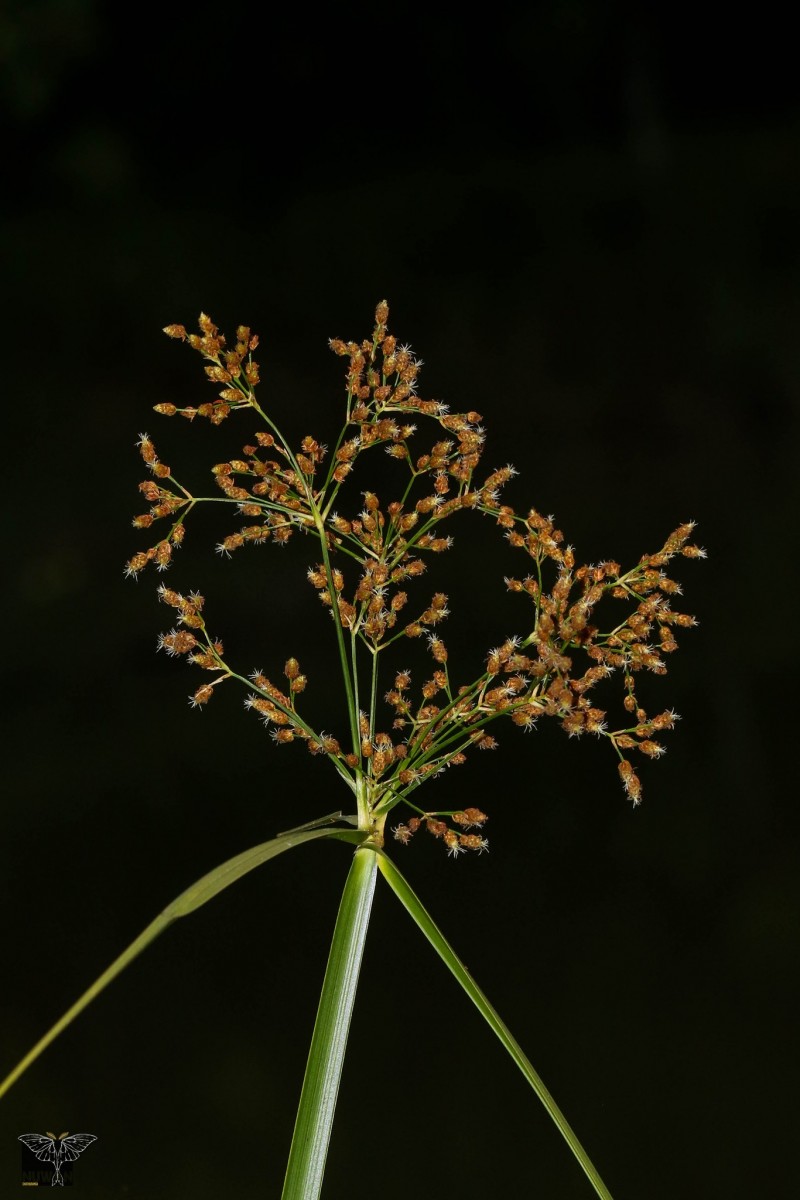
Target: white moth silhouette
[(57, 1150)]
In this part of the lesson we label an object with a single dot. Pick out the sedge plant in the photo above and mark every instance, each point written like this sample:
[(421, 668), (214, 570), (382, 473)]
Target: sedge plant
[(391, 738)]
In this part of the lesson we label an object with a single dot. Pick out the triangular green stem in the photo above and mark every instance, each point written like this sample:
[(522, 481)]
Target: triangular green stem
[(314, 1121)]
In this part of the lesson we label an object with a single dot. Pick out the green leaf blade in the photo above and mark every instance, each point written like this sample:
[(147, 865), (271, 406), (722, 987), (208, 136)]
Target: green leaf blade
[(414, 906), (198, 894)]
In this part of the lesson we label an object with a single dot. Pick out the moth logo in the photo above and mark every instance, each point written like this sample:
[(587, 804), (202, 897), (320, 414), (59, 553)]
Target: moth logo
[(46, 1147)]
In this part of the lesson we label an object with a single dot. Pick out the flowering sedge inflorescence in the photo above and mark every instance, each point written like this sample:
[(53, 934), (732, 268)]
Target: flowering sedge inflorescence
[(370, 557)]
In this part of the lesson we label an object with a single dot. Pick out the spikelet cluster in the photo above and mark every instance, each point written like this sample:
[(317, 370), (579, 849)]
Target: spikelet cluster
[(583, 623)]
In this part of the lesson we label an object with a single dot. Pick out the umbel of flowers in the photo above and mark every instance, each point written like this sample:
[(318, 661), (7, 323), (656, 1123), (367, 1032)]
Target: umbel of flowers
[(584, 622)]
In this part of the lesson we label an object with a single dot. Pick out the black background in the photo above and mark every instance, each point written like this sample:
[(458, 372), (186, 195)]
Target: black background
[(585, 220)]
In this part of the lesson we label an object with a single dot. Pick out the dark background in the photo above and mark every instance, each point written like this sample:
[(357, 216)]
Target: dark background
[(585, 218)]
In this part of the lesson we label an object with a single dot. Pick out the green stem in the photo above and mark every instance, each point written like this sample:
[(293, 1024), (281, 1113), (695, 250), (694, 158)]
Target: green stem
[(337, 620), (312, 1129), (373, 694)]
